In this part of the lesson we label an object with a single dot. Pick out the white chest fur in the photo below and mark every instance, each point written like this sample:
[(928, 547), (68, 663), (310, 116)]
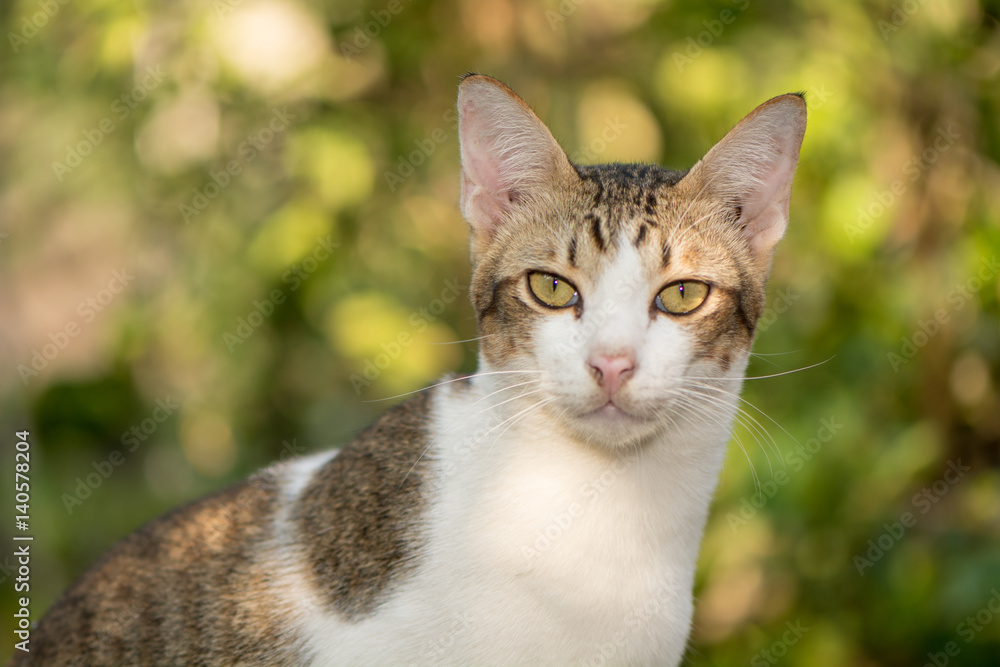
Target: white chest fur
[(588, 555), (541, 551)]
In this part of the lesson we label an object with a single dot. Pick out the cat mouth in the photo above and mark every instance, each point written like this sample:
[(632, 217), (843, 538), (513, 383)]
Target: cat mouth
[(610, 410)]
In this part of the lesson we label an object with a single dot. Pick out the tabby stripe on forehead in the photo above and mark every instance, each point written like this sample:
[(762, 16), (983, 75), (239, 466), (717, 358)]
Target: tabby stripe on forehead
[(641, 236), (666, 255), (595, 231), (599, 195), (572, 252), (650, 204)]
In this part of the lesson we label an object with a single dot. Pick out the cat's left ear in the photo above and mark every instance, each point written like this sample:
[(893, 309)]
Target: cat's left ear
[(509, 157), (752, 168)]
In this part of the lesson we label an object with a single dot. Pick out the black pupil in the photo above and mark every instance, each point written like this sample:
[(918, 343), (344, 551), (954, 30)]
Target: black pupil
[(555, 284)]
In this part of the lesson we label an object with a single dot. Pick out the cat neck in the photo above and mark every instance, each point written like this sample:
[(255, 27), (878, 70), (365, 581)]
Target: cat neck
[(508, 453)]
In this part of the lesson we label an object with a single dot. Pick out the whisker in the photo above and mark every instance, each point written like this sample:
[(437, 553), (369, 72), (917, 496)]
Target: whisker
[(523, 415), (753, 470), (689, 406), (795, 370), (753, 426), (765, 377), (743, 400), (467, 340), (688, 401), (427, 448), (444, 382), (715, 408), (513, 420), (505, 388), (496, 405)]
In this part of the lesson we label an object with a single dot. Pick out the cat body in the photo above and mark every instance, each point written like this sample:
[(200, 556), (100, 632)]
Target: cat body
[(546, 510)]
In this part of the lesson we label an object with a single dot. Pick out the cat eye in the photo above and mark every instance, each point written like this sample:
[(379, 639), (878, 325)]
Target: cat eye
[(551, 290), (682, 297)]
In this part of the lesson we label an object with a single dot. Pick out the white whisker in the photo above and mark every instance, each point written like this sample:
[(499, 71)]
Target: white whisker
[(444, 382), (505, 388), (753, 426), (773, 375), (745, 401), (512, 420), (521, 395), (467, 340)]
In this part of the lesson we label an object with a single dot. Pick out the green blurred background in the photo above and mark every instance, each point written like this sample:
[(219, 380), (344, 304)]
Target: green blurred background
[(275, 183)]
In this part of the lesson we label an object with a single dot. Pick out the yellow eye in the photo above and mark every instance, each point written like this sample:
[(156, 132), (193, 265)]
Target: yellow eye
[(682, 297), (552, 290)]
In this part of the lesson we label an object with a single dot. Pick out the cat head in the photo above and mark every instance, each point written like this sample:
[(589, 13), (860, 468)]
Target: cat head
[(623, 296)]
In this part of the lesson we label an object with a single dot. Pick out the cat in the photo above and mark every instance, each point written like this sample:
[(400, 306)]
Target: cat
[(547, 509)]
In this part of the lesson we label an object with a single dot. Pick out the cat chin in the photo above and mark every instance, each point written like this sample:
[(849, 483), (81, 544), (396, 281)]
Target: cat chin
[(611, 428)]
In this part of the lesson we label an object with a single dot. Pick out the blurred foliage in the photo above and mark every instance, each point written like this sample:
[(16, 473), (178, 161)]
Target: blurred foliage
[(275, 182)]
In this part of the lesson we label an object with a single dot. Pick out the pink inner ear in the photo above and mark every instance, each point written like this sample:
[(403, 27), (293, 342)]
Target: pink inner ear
[(484, 196), (765, 207), (479, 159), (483, 208), (765, 230)]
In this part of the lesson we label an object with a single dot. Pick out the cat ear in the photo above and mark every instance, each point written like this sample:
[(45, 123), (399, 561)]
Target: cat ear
[(752, 168), (509, 157)]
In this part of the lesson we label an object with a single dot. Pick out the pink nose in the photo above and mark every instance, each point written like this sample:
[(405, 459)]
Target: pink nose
[(612, 371)]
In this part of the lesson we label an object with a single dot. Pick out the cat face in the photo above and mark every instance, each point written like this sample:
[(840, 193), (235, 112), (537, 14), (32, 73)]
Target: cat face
[(622, 298), (626, 294)]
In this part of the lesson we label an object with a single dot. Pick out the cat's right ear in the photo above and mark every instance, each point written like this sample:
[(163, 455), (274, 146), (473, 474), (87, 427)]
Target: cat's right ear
[(509, 157)]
